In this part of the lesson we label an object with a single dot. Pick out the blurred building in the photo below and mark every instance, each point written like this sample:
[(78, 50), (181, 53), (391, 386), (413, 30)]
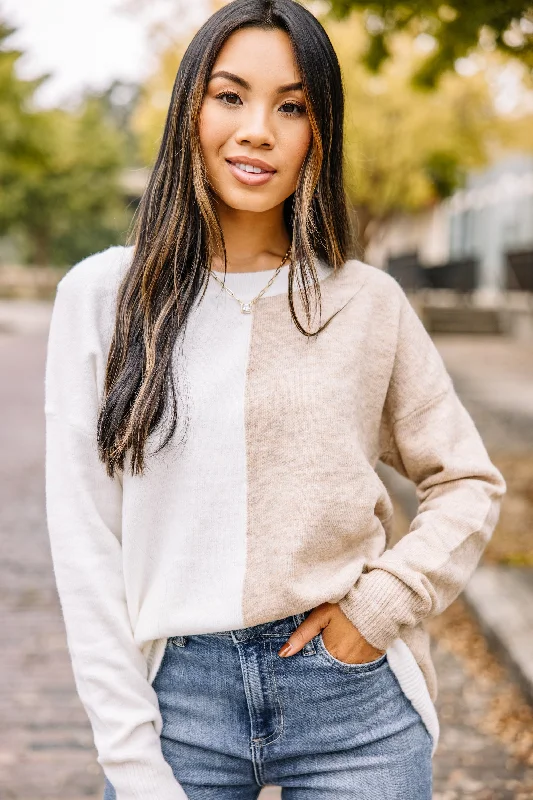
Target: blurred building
[(480, 239)]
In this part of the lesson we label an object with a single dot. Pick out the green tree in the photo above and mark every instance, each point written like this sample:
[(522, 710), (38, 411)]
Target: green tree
[(59, 171), (149, 116), (406, 149), (19, 146), (457, 28)]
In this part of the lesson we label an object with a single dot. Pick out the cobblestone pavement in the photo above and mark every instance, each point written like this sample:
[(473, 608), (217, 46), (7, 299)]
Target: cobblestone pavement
[(46, 747)]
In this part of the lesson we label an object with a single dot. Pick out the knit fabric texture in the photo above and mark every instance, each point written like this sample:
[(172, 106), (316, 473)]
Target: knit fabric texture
[(272, 503)]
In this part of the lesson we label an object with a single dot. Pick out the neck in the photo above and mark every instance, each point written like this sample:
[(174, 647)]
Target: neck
[(255, 241)]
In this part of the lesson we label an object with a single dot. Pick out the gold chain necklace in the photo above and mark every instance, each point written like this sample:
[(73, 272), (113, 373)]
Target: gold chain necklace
[(246, 307)]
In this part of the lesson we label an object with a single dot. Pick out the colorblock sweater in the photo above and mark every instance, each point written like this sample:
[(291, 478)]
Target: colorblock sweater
[(271, 505)]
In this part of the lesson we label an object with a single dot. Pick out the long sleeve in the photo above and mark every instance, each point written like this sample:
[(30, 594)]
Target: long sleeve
[(84, 511), (430, 438)]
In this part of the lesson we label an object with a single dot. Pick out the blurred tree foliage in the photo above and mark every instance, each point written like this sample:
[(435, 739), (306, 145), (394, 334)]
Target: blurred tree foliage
[(456, 27), (407, 149), (59, 170), (148, 119)]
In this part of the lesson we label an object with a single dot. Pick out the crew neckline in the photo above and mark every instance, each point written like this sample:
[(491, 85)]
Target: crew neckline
[(251, 282), (251, 272)]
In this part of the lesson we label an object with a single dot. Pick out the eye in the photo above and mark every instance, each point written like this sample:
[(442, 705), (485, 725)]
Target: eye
[(297, 109), (229, 95)]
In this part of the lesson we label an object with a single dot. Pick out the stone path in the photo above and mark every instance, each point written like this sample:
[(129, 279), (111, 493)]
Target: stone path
[(46, 749)]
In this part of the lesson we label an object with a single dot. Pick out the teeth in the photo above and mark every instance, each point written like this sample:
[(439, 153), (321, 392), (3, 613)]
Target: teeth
[(249, 168)]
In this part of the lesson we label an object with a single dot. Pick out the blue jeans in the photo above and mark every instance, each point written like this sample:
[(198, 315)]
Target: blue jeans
[(236, 717)]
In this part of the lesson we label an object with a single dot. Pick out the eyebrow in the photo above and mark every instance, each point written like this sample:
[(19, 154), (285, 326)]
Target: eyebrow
[(288, 87)]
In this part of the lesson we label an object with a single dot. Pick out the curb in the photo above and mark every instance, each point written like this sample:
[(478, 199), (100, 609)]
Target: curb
[(501, 599)]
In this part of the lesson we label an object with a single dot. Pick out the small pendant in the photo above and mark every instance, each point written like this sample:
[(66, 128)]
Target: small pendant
[(246, 308)]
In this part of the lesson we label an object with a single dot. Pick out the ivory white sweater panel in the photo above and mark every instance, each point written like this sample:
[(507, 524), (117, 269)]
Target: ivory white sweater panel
[(182, 549)]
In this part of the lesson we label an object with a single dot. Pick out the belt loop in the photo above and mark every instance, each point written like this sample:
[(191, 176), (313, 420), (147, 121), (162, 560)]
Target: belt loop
[(297, 619)]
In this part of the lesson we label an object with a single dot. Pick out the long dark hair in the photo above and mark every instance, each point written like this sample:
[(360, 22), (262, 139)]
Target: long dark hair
[(177, 231)]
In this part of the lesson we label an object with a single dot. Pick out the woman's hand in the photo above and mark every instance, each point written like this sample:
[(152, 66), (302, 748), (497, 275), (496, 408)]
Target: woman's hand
[(341, 637)]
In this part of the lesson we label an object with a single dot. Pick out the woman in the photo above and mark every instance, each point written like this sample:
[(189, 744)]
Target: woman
[(217, 397)]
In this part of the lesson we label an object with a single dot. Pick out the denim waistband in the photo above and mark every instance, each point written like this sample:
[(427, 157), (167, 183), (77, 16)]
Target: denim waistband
[(277, 627)]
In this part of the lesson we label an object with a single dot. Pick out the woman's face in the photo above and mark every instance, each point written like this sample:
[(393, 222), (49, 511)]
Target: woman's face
[(254, 114)]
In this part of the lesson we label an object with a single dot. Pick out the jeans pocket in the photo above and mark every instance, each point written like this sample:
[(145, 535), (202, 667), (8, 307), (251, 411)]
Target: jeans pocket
[(345, 666)]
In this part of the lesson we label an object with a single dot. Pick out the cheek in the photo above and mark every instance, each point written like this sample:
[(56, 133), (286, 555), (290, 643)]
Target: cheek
[(304, 141), (295, 148), (213, 131)]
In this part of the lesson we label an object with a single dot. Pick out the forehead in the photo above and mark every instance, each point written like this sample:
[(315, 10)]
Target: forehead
[(256, 53)]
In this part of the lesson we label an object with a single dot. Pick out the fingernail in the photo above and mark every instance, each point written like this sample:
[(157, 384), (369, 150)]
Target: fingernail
[(285, 649)]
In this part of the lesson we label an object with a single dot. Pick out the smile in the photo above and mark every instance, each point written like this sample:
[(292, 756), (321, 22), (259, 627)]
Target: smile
[(250, 174), (250, 168)]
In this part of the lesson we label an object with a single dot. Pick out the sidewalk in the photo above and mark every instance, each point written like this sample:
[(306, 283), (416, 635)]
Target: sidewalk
[(493, 375), (24, 316)]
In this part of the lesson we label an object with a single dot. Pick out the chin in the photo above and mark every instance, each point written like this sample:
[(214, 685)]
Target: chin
[(254, 204)]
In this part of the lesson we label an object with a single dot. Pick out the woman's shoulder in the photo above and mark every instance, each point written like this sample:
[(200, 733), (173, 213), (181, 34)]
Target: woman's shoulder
[(85, 301), (97, 276), (374, 276), (373, 284)]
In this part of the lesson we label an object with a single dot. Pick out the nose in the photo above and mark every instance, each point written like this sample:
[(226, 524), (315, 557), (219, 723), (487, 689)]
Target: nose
[(255, 127)]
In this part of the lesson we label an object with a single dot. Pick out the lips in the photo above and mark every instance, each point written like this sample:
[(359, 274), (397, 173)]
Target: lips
[(250, 178)]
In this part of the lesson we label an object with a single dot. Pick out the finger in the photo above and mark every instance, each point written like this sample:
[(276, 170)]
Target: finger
[(309, 628)]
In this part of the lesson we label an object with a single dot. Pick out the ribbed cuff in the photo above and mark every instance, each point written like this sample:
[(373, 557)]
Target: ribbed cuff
[(377, 605)]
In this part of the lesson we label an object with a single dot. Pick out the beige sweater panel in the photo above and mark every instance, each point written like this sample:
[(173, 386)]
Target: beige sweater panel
[(320, 412)]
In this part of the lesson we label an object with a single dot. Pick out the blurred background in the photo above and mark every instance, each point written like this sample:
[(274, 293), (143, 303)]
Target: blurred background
[(439, 160)]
